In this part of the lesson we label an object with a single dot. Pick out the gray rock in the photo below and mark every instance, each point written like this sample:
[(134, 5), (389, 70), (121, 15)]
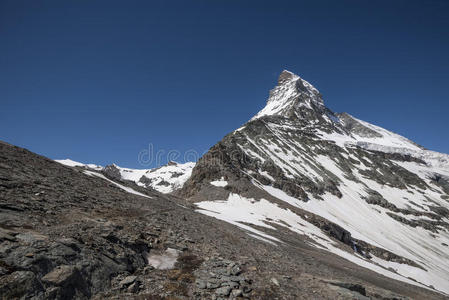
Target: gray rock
[(213, 284), (236, 278), (201, 284), (235, 270), (236, 293), (112, 172), (69, 282), (18, 284), (60, 275), (223, 291), (6, 236), (127, 281), (275, 281)]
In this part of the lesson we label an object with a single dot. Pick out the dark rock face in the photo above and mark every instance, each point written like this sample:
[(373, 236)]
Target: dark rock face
[(285, 76), (442, 181), (352, 125), (19, 283), (65, 282), (112, 172)]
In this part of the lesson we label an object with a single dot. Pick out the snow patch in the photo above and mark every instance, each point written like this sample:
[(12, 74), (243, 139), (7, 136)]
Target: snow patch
[(164, 261), (219, 183), (125, 188), (238, 210)]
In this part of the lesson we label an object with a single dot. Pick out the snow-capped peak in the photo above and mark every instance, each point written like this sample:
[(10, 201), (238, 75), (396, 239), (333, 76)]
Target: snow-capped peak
[(291, 97)]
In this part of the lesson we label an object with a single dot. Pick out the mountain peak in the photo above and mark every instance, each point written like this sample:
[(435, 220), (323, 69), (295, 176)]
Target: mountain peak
[(286, 76), (291, 97)]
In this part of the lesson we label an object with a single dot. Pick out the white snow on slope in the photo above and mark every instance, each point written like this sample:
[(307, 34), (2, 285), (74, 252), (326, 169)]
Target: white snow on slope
[(125, 188), (389, 139), (371, 224), (238, 210), (72, 163), (165, 179), (164, 261), (219, 183), (390, 142)]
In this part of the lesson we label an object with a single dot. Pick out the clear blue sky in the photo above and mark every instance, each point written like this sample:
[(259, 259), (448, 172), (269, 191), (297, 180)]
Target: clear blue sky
[(97, 81)]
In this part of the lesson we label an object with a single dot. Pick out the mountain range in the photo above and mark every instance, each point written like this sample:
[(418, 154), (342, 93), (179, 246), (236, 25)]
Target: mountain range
[(300, 202)]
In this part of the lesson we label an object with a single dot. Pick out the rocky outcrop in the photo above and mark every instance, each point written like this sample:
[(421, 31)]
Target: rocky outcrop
[(112, 172), (224, 278)]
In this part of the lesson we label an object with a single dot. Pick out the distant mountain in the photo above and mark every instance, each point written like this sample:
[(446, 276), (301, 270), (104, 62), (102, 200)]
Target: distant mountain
[(164, 179)]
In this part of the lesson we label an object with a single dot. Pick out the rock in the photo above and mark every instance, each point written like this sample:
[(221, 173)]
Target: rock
[(30, 238), (275, 281), (3, 271), (236, 278), (112, 172), (355, 287), (19, 284), (212, 284), (60, 275), (235, 270), (231, 284), (133, 288), (201, 284), (223, 291), (236, 293), (6, 236), (69, 282), (52, 292), (127, 281)]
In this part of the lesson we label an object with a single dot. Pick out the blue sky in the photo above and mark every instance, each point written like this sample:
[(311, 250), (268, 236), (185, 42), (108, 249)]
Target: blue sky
[(98, 81)]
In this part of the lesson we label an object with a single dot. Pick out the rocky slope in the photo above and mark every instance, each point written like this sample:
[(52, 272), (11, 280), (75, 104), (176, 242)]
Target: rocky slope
[(354, 189)]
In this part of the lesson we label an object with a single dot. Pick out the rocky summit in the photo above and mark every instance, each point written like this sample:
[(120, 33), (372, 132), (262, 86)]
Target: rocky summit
[(298, 203)]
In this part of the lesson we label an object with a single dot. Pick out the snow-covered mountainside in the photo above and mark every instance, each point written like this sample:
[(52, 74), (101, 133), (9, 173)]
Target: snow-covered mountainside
[(348, 187), (165, 179)]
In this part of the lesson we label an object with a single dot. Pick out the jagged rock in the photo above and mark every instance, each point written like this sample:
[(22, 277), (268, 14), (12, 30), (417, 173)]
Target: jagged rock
[(112, 172), (223, 291), (127, 281), (201, 284), (275, 281), (69, 281), (237, 293), (18, 284)]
